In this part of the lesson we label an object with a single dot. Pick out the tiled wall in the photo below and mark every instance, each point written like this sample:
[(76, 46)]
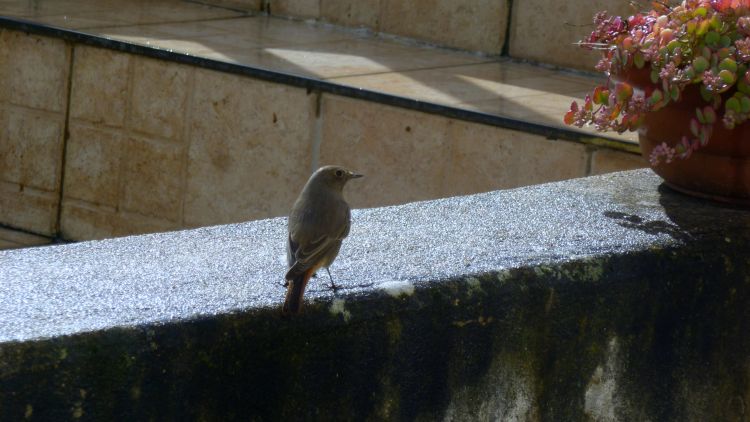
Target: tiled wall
[(546, 31), (155, 145), (540, 30), (14, 239), (32, 121), (408, 156), (476, 25)]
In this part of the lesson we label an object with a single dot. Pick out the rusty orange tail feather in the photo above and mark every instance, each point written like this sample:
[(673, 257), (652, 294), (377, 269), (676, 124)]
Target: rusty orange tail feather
[(294, 293)]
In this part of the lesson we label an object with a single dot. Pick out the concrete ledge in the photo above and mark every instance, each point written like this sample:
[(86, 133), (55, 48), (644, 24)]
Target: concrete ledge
[(598, 298)]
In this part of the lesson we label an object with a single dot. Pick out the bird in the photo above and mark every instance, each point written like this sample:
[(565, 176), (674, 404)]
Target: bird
[(318, 223)]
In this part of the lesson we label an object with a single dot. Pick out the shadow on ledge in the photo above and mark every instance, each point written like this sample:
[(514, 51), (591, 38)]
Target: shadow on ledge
[(602, 298)]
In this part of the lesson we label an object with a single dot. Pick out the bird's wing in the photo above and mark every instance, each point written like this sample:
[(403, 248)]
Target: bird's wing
[(306, 248), (347, 226), (310, 255)]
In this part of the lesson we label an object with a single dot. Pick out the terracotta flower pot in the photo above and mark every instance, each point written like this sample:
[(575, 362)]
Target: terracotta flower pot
[(720, 170)]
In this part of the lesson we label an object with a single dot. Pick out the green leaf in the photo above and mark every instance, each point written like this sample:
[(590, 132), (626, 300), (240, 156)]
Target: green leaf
[(600, 95), (674, 93), (691, 27), (623, 91), (672, 46), (723, 53), (709, 114), (733, 104), (745, 104), (728, 64), (703, 138), (691, 74), (712, 38), (656, 96), (702, 28), (699, 115), (715, 22), (694, 127), (743, 86), (727, 77), (639, 60), (700, 64)]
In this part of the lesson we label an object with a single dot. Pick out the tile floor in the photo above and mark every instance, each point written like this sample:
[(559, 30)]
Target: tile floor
[(345, 56)]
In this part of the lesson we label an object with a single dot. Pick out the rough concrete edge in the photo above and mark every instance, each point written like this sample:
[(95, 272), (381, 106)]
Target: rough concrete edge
[(398, 296)]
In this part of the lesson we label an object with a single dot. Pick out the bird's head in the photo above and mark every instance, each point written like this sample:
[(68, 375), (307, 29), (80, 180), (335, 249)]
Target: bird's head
[(334, 176)]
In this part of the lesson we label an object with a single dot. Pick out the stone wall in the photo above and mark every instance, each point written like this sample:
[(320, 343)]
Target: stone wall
[(153, 145), (606, 298)]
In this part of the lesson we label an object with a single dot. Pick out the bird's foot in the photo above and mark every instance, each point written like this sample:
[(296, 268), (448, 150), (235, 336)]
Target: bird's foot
[(334, 287)]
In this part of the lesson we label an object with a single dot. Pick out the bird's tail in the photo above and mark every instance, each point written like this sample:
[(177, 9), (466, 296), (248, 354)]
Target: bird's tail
[(294, 292)]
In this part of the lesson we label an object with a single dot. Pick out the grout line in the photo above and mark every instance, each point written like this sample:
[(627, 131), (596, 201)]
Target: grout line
[(37, 110), (124, 146), (186, 143), (404, 71), (29, 232), (505, 50), (382, 7), (589, 161), (128, 25), (218, 6), (66, 137), (317, 131), (92, 206)]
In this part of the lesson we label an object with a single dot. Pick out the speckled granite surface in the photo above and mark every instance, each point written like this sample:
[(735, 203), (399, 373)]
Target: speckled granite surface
[(96, 285)]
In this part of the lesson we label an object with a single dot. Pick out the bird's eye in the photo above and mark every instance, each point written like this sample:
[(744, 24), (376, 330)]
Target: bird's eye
[(339, 173)]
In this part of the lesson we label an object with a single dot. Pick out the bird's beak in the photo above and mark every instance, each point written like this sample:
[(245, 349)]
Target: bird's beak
[(355, 175)]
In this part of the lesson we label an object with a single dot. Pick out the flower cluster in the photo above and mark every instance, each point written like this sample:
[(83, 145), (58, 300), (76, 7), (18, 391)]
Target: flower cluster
[(705, 43)]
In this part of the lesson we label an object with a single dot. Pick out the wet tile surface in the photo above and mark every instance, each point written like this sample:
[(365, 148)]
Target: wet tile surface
[(349, 57)]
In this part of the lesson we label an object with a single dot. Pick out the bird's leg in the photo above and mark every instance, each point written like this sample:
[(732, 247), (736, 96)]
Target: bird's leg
[(333, 285)]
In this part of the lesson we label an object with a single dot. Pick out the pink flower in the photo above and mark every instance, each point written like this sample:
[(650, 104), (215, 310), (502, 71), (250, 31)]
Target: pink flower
[(668, 72), (604, 64), (743, 49), (661, 151), (743, 25), (725, 6), (711, 81)]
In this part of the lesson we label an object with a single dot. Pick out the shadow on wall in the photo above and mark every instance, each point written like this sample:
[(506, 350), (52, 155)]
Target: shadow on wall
[(682, 227), (680, 352)]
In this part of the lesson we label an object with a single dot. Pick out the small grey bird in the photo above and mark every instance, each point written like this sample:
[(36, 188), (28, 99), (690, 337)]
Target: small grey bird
[(318, 223)]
